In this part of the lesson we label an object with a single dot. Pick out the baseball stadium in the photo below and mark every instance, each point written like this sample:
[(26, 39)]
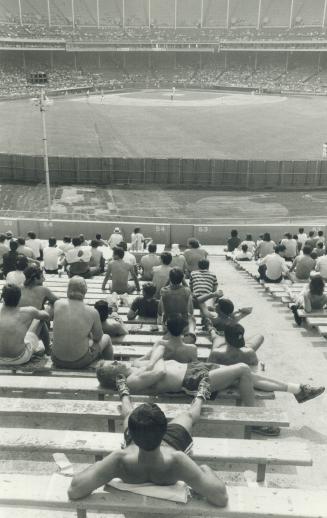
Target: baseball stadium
[(163, 175)]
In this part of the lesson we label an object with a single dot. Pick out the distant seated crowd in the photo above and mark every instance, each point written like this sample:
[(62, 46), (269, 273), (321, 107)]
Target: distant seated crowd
[(265, 78), (175, 284), (295, 258), (136, 31)]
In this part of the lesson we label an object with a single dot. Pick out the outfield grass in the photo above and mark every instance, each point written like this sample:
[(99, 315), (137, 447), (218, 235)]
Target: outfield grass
[(197, 124)]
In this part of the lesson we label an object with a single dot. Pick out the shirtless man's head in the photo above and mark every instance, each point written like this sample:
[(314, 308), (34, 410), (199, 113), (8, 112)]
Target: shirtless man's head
[(13, 245), (176, 324), (118, 253), (11, 295), (77, 288), (176, 276), (108, 371), (234, 335), (224, 306), (147, 425), (33, 275)]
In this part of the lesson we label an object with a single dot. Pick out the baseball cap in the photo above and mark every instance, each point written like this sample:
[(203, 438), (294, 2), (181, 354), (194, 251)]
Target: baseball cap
[(116, 229), (234, 334)]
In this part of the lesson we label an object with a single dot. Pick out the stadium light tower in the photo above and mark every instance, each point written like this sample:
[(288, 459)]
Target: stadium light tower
[(43, 102)]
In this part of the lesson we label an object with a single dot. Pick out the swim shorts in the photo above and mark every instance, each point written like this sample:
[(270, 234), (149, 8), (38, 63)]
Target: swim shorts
[(92, 354), (194, 373), (176, 436), (32, 346)]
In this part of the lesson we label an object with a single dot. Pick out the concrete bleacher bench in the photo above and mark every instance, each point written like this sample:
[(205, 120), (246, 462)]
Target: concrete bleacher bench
[(109, 410), (89, 387), (205, 449), (44, 492)]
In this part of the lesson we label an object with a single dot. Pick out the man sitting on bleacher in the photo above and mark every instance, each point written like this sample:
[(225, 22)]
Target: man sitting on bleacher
[(172, 376), (273, 266), (177, 299), (78, 339), (155, 452), (302, 265), (111, 322), (19, 329), (145, 306), (171, 346), (223, 314), (119, 271)]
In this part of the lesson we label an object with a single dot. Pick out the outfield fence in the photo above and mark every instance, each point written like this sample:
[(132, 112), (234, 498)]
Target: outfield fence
[(173, 172)]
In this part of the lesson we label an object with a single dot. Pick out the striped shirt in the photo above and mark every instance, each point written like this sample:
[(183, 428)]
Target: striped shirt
[(203, 282)]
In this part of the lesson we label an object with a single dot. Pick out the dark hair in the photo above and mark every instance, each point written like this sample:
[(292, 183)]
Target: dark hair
[(311, 233), (102, 308), (266, 237), (94, 243), (13, 245), (320, 244), (76, 241), (2, 238), (176, 276), (11, 295), (320, 233), (82, 237), (176, 324), (166, 258), (152, 248), (234, 233), (67, 239), (21, 241), (21, 263), (193, 243), (148, 290), (137, 230), (316, 285), (203, 264), (280, 248), (307, 249), (147, 425), (118, 252), (52, 241), (313, 255), (288, 235), (98, 236), (31, 234), (226, 306), (32, 273), (301, 230), (245, 248), (248, 237), (123, 245)]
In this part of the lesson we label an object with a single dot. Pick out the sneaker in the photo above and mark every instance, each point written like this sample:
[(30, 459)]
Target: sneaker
[(204, 391), (297, 319), (307, 392), (122, 387), (269, 431)]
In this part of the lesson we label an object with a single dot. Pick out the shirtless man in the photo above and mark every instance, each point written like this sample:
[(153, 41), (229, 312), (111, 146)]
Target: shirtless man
[(171, 346), (119, 271), (19, 329), (172, 376), (78, 339), (36, 295), (234, 349), (155, 452)]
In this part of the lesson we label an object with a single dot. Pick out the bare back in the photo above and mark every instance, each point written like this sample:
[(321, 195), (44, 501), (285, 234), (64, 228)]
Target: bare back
[(74, 325), (14, 324), (36, 296)]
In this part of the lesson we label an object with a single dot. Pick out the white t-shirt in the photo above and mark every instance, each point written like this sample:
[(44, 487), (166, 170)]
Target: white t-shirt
[(79, 253), (240, 255), (65, 247), (275, 266), (129, 258), (291, 247), (137, 242), (302, 238), (251, 246), (50, 257), (35, 245), (321, 266)]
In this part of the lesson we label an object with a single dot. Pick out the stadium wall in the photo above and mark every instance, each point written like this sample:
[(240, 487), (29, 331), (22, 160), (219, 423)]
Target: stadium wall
[(160, 233), (172, 172)]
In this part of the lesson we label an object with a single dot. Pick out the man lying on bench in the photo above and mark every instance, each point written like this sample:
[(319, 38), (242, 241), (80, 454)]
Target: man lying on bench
[(172, 376), (154, 451)]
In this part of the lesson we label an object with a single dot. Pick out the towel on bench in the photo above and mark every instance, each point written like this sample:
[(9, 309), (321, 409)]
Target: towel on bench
[(178, 492)]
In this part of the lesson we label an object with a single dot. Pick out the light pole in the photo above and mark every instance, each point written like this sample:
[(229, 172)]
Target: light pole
[(43, 102)]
